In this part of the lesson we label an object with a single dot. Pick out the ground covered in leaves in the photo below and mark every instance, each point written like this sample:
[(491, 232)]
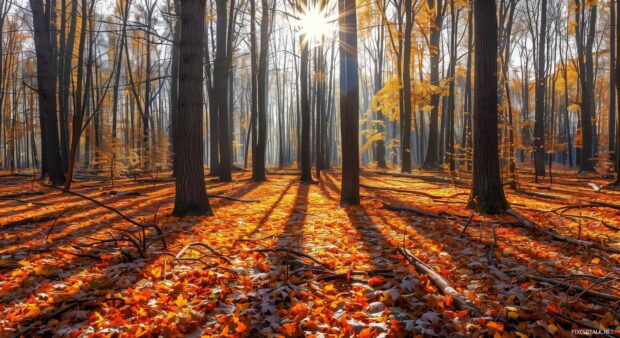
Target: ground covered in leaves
[(281, 258)]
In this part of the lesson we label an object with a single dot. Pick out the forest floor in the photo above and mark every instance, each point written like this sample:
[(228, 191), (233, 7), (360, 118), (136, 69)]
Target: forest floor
[(283, 258)]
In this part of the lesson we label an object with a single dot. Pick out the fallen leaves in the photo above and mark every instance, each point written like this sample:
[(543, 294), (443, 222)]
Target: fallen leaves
[(275, 293)]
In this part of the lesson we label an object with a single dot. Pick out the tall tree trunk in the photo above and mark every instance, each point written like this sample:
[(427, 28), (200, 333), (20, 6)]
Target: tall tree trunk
[(432, 154), (406, 129), (539, 113), (306, 174), (612, 83), (487, 194), (221, 88), (191, 195), (585, 44), (46, 80), (258, 161), (349, 102)]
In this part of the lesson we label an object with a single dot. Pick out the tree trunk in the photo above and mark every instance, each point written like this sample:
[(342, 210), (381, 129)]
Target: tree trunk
[(432, 154), (487, 194), (349, 102), (306, 174), (221, 90), (406, 128), (539, 113), (258, 158), (46, 79), (191, 195)]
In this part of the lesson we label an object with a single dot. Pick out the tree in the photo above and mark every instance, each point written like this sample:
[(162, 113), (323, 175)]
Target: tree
[(612, 81), (46, 82), (617, 183), (539, 104), (431, 161), (221, 90), (585, 45), (487, 193), (349, 102), (306, 173), (406, 128), (191, 195), (258, 156)]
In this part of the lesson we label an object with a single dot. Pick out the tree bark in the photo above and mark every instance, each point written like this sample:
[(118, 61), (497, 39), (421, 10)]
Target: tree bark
[(349, 102), (487, 194), (190, 195), (46, 80)]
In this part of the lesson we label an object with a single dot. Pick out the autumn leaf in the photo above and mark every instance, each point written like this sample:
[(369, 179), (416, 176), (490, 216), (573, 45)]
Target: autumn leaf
[(300, 309), (495, 326), (181, 301), (366, 333)]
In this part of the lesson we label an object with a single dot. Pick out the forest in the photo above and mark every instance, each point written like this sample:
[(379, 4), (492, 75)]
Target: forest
[(319, 168)]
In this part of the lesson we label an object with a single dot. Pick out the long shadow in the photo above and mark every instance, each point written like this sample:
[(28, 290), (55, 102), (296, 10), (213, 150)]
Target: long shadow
[(269, 212), (291, 236)]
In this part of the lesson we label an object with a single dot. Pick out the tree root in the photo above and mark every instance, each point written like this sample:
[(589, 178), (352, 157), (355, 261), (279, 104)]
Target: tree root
[(460, 302)]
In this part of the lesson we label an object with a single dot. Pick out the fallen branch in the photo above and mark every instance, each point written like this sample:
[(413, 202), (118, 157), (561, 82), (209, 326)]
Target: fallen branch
[(460, 302), (583, 324), (294, 252), (528, 224), (29, 220), (233, 198), (602, 221), (433, 179), (217, 254), (495, 270), (22, 194), (411, 209), (412, 192), (114, 210), (538, 194), (572, 288)]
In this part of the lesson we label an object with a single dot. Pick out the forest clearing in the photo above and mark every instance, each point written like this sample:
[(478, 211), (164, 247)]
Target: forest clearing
[(309, 168), (280, 257)]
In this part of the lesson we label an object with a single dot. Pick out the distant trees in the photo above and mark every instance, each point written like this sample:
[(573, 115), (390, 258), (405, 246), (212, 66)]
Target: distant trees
[(191, 196), (349, 102), (487, 194)]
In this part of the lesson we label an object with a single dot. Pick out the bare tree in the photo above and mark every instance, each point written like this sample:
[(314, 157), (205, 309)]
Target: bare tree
[(191, 195)]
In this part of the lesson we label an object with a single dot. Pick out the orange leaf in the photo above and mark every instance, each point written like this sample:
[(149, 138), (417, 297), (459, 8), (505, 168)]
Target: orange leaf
[(181, 301), (449, 300), (552, 308), (374, 281), (366, 333), (495, 326), (241, 327), (300, 309)]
